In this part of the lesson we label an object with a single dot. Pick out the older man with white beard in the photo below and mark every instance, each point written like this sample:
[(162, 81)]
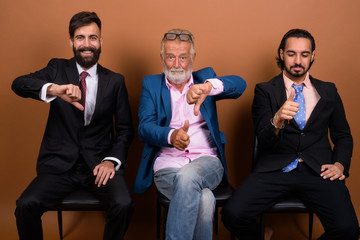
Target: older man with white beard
[(184, 148)]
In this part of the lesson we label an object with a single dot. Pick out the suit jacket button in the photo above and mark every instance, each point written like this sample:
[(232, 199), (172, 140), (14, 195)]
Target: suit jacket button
[(302, 134)]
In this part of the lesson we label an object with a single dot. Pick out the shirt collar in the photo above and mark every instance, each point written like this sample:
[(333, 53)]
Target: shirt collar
[(91, 71), (288, 82), (186, 87)]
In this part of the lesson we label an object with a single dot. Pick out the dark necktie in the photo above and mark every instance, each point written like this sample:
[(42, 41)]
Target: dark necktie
[(299, 118), (83, 75)]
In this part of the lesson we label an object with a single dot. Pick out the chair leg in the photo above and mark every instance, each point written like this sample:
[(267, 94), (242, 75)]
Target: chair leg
[(216, 220), (262, 225), (59, 213), (311, 220), (165, 213), (158, 220)]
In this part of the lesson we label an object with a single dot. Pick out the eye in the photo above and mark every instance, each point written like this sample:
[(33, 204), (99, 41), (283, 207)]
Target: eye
[(79, 37), (93, 38), (171, 57)]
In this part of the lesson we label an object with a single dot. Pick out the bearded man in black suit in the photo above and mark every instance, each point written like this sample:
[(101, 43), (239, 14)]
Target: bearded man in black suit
[(294, 114), (87, 136)]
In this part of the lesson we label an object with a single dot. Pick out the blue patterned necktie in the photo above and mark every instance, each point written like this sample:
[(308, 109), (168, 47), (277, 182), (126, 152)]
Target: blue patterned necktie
[(299, 118)]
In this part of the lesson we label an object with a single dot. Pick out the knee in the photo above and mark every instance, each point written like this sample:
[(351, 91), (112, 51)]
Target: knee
[(27, 204), (121, 204), (207, 204), (346, 231), (187, 178), (233, 216), (227, 216)]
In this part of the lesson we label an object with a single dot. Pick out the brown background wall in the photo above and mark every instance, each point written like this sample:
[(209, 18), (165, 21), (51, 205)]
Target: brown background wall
[(233, 36)]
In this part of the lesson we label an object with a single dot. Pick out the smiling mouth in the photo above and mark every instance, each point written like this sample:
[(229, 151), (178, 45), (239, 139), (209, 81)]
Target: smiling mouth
[(87, 52)]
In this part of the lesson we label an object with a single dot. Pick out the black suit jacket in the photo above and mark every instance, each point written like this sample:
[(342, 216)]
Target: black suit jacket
[(66, 138), (312, 143)]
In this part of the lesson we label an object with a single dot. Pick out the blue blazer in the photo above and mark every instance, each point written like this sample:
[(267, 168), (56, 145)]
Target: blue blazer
[(155, 117)]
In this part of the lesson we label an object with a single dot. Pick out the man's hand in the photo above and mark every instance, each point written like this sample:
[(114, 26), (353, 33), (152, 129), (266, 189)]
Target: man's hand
[(197, 94), (287, 111), (69, 93), (179, 137), (333, 171), (103, 172)]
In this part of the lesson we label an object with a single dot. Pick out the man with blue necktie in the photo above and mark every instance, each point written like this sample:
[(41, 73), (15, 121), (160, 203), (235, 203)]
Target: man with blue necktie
[(293, 114)]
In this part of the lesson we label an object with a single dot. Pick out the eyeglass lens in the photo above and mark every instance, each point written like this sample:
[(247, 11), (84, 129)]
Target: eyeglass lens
[(181, 36)]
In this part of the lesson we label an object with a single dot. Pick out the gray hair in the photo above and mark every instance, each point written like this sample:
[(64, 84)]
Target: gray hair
[(179, 31)]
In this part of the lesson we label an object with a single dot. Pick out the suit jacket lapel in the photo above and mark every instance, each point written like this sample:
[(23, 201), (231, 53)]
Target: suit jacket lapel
[(103, 81), (279, 91), (321, 103), (165, 98), (72, 72)]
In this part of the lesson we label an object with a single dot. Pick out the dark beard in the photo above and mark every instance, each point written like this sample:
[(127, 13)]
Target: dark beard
[(87, 62), (297, 75)]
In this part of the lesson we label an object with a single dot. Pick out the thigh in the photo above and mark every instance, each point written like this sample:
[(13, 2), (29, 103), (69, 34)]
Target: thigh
[(47, 190), (114, 192), (258, 192), (164, 181), (330, 200), (207, 171)]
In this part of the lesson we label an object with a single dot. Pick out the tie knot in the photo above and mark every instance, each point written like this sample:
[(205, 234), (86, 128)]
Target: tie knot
[(83, 75), (298, 88)]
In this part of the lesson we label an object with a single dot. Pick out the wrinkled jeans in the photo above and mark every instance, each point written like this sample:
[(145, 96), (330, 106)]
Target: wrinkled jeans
[(192, 202)]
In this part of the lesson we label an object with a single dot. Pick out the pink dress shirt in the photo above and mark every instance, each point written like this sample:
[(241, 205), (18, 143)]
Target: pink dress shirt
[(311, 96), (201, 141)]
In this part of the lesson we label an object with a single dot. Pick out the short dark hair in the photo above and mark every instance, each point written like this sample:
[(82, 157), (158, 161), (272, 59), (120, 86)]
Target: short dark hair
[(297, 33), (83, 19)]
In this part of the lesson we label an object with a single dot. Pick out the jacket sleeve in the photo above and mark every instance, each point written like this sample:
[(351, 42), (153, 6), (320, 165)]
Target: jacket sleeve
[(234, 86), (262, 112), (340, 133), (29, 86)]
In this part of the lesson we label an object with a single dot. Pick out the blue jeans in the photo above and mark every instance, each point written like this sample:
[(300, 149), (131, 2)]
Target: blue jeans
[(192, 202)]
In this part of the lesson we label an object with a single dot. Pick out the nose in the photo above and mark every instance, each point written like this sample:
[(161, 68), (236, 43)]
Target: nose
[(298, 59), (86, 42), (176, 63)]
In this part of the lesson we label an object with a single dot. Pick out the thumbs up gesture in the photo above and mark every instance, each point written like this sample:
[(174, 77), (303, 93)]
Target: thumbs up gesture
[(287, 111), (179, 137), (197, 94)]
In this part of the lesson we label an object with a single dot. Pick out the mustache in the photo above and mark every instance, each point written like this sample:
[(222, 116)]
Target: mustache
[(297, 65), (177, 69), (92, 49)]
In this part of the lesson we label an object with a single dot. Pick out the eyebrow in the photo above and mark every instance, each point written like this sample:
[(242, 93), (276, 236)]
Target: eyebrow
[(292, 51), (82, 35)]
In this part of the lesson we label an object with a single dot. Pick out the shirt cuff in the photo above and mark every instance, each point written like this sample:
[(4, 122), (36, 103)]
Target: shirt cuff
[(218, 86), (43, 95), (169, 136), (117, 167)]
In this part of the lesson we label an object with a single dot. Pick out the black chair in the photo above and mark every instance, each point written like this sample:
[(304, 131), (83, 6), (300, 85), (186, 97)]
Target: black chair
[(80, 200), (221, 193), (287, 205)]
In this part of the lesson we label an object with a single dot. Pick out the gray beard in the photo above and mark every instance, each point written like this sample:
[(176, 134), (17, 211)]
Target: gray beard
[(179, 77)]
